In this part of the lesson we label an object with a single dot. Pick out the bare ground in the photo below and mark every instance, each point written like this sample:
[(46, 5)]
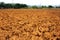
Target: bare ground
[(29, 24)]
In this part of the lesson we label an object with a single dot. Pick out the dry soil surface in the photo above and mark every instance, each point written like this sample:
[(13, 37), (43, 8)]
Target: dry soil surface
[(29, 24)]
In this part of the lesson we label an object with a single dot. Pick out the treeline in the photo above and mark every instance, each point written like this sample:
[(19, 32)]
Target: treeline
[(17, 6), (49, 6), (11, 5)]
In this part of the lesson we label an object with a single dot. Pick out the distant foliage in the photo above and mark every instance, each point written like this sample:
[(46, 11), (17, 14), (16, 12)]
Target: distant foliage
[(2, 4), (10, 5), (43, 6), (18, 6), (50, 6), (34, 7)]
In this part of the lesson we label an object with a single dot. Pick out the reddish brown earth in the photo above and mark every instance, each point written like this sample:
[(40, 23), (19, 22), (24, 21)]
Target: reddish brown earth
[(29, 24)]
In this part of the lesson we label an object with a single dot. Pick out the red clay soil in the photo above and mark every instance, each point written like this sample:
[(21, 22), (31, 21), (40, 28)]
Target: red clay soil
[(29, 24)]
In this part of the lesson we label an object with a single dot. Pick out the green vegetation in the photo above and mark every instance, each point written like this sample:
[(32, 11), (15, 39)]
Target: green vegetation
[(34, 7), (18, 6), (50, 6), (10, 5)]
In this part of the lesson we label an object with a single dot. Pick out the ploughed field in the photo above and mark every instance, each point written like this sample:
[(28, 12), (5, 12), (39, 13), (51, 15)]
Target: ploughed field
[(29, 24)]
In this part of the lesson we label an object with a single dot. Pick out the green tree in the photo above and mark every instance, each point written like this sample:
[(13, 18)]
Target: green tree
[(50, 6), (34, 7), (2, 4), (20, 6), (8, 6)]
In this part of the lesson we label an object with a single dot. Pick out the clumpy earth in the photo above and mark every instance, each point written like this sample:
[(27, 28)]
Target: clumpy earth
[(29, 24)]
